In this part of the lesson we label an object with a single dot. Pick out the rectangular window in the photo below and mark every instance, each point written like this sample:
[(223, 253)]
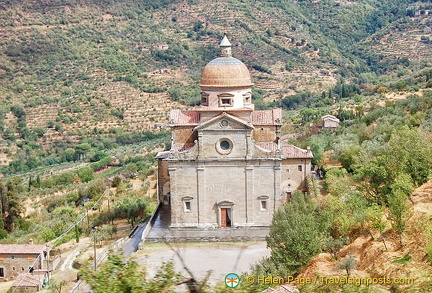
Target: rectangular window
[(226, 101), (263, 205), (1, 257), (2, 273), (12, 256), (300, 168), (29, 257), (204, 99), (187, 206)]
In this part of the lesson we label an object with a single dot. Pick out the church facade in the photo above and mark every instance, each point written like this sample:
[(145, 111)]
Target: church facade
[(228, 166)]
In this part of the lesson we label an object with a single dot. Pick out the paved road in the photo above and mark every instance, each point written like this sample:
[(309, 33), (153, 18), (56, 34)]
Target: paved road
[(132, 245), (216, 258)]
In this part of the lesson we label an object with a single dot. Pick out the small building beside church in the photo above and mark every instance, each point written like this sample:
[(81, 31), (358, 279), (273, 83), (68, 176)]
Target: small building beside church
[(227, 166), (330, 122), (20, 258)]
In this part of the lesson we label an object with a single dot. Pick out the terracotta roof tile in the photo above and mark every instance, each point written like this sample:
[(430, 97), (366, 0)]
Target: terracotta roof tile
[(28, 280), (162, 155), (287, 136), (22, 248), (181, 147), (183, 117), (268, 146), (224, 115), (330, 117), (267, 117), (291, 151)]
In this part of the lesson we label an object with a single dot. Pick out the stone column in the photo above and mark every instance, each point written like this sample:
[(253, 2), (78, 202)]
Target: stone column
[(277, 185), (201, 196), (249, 194), (175, 201)]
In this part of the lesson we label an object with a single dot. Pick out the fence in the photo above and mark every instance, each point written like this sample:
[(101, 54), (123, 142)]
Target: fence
[(81, 285)]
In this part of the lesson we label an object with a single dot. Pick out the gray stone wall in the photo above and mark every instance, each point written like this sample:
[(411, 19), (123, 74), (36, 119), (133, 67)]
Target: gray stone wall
[(215, 184), (20, 263), (163, 180), (294, 173)]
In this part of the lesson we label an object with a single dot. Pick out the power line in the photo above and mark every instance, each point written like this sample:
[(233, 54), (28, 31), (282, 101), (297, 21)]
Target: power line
[(78, 221)]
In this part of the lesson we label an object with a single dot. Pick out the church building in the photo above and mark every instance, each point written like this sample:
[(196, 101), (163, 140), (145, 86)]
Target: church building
[(228, 166)]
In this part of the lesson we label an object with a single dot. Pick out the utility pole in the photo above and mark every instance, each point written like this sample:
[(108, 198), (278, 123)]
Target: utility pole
[(47, 260), (94, 228), (88, 220), (109, 211)]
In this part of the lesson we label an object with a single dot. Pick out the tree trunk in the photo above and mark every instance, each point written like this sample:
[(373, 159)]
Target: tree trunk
[(383, 240), (400, 240), (371, 235)]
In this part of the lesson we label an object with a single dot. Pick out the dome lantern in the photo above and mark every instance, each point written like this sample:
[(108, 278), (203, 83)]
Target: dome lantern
[(225, 71), (225, 47)]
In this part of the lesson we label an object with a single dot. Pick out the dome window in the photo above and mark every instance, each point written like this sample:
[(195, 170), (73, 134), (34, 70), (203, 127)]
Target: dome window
[(225, 100), (247, 98), (204, 99)]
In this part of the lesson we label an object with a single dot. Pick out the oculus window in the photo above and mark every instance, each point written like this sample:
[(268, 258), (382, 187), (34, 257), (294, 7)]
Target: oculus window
[(224, 146)]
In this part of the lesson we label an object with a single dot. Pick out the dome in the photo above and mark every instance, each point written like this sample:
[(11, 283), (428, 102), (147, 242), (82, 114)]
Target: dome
[(225, 71)]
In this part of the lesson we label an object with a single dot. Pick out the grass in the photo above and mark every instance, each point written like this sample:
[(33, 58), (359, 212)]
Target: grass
[(403, 260)]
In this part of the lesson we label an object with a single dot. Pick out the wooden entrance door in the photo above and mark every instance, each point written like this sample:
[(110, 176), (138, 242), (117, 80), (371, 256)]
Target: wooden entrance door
[(225, 217)]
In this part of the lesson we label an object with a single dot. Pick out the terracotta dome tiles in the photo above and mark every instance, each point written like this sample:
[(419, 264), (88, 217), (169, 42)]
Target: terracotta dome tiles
[(225, 72)]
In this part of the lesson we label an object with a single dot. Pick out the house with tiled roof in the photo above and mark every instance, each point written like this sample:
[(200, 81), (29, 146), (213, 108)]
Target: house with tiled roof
[(330, 122), (228, 166), (28, 282), (22, 258)]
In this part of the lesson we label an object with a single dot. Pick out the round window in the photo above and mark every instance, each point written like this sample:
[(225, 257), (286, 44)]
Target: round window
[(225, 145), (224, 123)]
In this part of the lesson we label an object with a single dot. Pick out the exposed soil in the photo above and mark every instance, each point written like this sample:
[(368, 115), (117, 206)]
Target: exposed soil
[(374, 261)]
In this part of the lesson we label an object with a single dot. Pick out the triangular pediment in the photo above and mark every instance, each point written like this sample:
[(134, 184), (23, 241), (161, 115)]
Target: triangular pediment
[(224, 121)]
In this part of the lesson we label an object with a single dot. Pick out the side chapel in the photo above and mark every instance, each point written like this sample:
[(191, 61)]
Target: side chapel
[(228, 166)]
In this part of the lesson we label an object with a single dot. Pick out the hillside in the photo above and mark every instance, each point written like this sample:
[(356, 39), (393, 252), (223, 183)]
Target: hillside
[(374, 260), (71, 70), (53, 50)]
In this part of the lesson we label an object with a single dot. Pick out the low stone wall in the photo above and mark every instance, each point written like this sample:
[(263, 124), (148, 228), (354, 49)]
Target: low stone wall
[(211, 235), (149, 224)]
